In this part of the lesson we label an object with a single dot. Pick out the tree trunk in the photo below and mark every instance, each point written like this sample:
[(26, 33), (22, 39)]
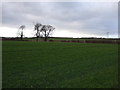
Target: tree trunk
[(45, 39), (37, 38), (21, 37)]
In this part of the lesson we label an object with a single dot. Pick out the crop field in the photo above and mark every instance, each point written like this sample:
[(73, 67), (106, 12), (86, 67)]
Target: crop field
[(59, 65)]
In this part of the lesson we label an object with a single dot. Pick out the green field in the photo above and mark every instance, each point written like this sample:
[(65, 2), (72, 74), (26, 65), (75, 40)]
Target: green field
[(59, 65)]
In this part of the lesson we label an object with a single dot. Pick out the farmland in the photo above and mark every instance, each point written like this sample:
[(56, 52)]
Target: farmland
[(59, 65)]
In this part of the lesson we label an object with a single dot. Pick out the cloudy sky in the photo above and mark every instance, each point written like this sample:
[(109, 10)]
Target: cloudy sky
[(70, 19)]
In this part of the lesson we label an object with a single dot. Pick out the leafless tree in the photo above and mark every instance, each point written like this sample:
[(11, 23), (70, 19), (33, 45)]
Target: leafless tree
[(46, 31), (22, 27), (37, 27)]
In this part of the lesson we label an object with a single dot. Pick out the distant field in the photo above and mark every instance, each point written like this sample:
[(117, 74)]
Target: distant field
[(77, 40), (68, 39), (59, 65)]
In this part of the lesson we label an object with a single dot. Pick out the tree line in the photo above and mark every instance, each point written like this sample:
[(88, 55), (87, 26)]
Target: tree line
[(40, 31)]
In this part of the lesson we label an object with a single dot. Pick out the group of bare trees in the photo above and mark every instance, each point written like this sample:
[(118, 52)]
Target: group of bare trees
[(40, 30)]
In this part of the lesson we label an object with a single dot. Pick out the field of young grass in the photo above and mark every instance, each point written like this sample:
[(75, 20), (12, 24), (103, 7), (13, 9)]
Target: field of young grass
[(59, 65)]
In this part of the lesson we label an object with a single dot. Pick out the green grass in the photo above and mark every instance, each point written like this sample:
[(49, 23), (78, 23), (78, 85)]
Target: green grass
[(59, 65)]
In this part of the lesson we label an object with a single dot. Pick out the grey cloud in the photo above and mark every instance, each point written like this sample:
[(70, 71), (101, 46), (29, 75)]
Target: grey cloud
[(75, 17)]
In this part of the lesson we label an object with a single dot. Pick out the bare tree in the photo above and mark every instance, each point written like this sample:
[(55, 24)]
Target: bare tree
[(46, 30), (37, 27), (22, 27)]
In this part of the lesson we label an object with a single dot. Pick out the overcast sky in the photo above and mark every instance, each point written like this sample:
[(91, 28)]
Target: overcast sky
[(70, 19)]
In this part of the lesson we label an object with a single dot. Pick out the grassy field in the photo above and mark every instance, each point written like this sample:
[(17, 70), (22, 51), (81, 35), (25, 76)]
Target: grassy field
[(59, 65)]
